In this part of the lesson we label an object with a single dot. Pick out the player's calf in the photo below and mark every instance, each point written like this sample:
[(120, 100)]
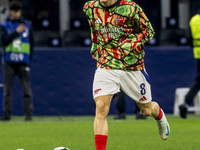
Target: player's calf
[(149, 109)]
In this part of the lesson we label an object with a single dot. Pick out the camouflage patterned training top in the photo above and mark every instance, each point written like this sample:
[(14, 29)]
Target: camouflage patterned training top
[(118, 34)]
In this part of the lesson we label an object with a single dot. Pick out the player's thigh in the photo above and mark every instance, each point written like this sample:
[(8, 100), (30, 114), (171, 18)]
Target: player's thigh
[(136, 85)]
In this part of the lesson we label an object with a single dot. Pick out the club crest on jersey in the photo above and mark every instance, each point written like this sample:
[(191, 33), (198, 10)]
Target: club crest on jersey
[(98, 21), (117, 20), (97, 91)]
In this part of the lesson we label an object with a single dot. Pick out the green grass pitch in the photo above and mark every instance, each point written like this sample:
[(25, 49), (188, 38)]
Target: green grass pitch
[(76, 133)]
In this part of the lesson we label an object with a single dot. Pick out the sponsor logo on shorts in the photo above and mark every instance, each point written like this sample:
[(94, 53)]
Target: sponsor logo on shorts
[(97, 91), (143, 99)]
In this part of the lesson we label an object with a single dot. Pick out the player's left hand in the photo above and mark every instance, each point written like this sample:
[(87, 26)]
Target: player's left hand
[(94, 56)]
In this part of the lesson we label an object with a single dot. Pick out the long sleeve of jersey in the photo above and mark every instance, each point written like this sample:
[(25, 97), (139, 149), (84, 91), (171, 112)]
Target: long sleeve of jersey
[(144, 27), (94, 39), (88, 13)]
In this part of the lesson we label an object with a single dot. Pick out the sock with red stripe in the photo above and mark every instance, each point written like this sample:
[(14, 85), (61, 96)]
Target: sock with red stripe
[(159, 117), (100, 142)]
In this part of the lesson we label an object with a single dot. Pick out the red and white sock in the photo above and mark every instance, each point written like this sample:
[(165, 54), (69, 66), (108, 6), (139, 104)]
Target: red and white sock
[(159, 117), (100, 142)]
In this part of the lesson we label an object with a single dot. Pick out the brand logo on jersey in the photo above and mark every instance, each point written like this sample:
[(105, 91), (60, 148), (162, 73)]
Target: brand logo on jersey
[(98, 21), (143, 99), (97, 91), (117, 20)]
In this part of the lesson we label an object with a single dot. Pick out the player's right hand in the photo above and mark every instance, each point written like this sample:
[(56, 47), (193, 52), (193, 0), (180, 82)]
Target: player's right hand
[(94, 56), (21, 28)]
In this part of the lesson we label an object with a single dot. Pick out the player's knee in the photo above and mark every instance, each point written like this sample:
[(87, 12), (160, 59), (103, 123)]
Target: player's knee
[(100, 105), (101, 109)]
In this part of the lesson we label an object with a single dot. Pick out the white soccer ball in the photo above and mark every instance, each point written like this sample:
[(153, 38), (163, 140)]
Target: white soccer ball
[(61, 148)]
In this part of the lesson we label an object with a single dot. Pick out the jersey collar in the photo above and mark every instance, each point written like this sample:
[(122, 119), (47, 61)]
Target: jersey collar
[(115, 4)]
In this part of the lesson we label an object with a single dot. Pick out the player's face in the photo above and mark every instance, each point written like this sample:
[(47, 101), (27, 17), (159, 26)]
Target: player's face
[(107, 2), (15, 14), (104, 1)]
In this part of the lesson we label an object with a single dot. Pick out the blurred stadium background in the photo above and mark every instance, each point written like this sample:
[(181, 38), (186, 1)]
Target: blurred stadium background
[(62, 68)]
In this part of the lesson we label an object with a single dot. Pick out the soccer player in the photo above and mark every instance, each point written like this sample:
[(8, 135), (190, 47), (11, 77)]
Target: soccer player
[(119, 29)]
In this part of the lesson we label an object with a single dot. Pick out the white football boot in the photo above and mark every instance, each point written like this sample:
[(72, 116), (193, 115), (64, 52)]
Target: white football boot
[(163, 127)]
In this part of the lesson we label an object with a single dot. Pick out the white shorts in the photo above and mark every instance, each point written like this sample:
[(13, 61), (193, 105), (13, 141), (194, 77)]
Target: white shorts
[(134, 83)]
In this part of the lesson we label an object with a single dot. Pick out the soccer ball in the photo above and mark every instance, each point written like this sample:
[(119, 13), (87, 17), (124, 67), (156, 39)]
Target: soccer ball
[(61, 148)]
